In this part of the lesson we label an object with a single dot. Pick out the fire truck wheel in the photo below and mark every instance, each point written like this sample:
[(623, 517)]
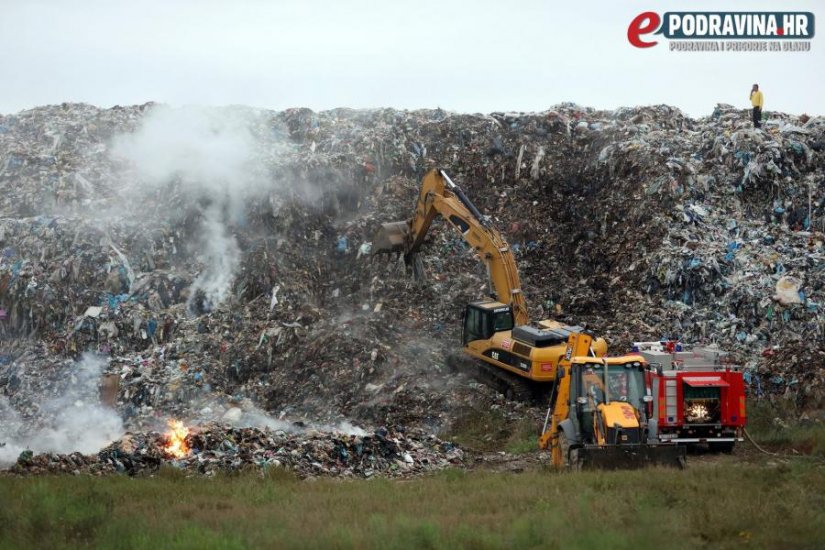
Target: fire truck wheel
[(724, 447)]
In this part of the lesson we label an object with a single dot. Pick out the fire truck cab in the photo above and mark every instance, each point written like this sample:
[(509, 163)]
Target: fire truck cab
[(698, 395)]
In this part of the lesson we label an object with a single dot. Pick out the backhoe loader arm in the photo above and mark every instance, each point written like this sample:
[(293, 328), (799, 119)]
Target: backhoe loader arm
[(439, 195)]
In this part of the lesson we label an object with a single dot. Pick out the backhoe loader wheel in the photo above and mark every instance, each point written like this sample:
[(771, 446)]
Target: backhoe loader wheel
[(570, 456)]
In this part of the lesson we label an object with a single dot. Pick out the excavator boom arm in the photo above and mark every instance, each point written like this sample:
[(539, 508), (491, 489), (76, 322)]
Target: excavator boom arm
[(439, 195)]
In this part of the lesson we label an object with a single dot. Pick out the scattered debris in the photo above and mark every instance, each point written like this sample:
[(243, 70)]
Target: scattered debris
[(202, 302), (213, 449)]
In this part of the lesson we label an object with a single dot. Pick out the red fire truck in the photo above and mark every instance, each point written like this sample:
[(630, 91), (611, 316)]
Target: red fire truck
[(698, 395)]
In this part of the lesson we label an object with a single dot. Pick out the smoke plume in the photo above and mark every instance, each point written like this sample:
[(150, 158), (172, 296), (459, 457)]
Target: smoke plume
[(76, 420), (209, 160)]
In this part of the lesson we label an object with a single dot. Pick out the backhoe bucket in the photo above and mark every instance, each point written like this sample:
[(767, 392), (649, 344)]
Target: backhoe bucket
[(619, 457), (392, 237)]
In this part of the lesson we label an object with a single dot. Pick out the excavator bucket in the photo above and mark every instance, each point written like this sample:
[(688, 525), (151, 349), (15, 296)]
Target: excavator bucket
[(392, 237), (619, 457)]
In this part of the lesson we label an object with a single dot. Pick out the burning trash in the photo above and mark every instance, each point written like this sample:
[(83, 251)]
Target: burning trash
[(311, 453), (176, 445)]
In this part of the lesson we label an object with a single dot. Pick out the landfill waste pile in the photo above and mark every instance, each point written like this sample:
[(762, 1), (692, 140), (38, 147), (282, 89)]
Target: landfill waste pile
[(213, 449), (214, 260)]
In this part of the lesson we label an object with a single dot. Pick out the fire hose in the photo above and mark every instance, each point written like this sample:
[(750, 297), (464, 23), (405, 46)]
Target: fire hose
[(760, 449)]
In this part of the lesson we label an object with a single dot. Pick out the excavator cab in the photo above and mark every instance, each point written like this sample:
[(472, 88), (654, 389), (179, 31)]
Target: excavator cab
[(483, 319)]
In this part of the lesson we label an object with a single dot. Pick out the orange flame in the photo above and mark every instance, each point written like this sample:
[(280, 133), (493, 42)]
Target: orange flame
[(176, 445), (697, 412)]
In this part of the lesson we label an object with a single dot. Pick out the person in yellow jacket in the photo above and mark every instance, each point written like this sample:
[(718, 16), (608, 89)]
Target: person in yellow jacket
[(757, 101)]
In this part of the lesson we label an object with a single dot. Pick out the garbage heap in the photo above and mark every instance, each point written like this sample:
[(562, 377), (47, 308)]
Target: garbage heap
[(249, 276), (214, 449)]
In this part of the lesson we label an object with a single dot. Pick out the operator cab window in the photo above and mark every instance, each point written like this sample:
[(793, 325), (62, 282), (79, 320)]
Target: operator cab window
[(472, 325), (482, 323), (625, 383), (593, 386), (617, 386), (503, 320)]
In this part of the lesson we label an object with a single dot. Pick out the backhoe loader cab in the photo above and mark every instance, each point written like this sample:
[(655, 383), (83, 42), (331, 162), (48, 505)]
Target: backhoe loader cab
[(600, 386), (597, 415)]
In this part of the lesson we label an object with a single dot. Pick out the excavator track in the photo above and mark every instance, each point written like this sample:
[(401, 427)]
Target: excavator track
[(513, 387)]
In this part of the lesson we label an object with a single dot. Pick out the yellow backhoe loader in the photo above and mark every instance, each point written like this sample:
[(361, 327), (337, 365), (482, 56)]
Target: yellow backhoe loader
[(598, 413), (518, 358)]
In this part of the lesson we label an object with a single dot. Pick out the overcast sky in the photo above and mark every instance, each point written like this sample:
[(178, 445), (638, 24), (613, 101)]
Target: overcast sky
[(469, 56)]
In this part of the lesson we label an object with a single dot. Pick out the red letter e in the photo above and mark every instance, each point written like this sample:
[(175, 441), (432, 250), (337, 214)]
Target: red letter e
[(643, 23)]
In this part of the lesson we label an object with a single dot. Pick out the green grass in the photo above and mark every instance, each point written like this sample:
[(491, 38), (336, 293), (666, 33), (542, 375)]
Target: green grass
[(776, 427), (720, 504), (729, 501), (488, 429)]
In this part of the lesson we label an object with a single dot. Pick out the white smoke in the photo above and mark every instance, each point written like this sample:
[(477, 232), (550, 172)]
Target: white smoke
[(211, 158), (247, 415), (221, 256), (347, 428), (10, 426), (76, 419), (213, 151)]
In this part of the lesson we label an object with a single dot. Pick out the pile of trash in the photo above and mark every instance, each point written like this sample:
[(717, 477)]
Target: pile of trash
[(794, 373), (212, 257), (212, 449)]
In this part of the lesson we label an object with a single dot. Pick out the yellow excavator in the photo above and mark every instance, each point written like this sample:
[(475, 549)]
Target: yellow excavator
[(517, 357), (598, 413)]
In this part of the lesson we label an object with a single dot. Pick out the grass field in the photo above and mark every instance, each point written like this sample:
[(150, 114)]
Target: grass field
[(746, 499), (788, 435), (715, 504)]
